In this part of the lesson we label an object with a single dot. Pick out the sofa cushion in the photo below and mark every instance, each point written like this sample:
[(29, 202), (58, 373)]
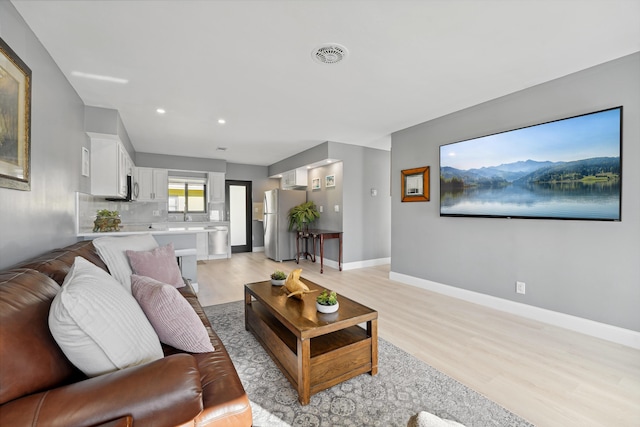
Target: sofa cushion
[(159, 264), (56, 263), (98, 325), (172, 317), (112, 251), (30, 359)]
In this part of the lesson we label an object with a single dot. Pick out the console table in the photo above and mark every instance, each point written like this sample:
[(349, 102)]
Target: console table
[(320, 235)]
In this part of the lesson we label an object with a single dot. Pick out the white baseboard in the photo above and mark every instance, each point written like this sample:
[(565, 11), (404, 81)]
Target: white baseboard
[(356, 264), (366, 263), (585, 326), (258, 249)]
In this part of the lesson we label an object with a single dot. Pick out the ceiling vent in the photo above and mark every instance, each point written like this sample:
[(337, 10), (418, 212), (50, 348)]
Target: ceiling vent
[(330, 53)]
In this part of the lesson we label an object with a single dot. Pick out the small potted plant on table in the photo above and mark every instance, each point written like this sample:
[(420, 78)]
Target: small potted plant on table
[(277, 278), (327, 302)]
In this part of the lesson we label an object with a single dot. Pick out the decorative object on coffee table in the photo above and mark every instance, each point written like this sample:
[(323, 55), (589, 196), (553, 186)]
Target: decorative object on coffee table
[(327, 302), (294, 286), (278, 277)]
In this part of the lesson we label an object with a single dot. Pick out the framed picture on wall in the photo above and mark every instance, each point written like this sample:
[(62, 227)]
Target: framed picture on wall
[(15, 116), (415, 184), (315, 184), (330, 181)]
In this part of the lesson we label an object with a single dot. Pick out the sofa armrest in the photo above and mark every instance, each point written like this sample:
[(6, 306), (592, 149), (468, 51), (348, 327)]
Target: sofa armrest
[(166, 392)]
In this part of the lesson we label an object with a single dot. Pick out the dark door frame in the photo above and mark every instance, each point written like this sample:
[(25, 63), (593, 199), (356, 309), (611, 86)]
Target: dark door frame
[(249, 229)]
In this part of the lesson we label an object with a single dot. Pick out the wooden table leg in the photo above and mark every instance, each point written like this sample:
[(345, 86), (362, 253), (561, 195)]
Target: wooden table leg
[(340, 252), (247, 301), (321, 254), (372, 331), (304, 371)]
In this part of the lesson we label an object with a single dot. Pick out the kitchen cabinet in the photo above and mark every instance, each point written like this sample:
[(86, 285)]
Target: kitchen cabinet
[(202, 246), (152, 184), (295, 178), (216, 187), (110, 165)]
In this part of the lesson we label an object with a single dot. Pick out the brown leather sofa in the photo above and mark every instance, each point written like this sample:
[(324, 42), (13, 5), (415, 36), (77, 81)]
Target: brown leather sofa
[(40, 387)]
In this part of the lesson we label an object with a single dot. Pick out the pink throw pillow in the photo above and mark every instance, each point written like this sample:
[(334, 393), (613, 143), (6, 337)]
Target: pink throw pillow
[(171, 316), (159, 263)]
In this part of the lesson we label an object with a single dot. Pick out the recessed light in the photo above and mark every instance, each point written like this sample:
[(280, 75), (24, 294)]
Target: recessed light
[(222, 121), (99, 77), (161, 111)]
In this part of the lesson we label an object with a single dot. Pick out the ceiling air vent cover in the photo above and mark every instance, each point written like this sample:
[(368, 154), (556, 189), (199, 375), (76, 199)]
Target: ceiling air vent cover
[(330, 53)]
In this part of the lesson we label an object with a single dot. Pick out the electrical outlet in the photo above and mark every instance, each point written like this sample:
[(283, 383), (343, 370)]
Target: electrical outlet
[(336, 208), (156, 213), (520, 287), (320, 208)]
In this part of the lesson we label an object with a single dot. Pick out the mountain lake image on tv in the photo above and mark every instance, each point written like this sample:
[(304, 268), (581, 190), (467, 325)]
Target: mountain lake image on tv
[(564, 169)]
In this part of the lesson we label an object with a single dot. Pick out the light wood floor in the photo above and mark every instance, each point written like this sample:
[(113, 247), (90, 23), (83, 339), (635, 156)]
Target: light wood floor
[(547, 375)]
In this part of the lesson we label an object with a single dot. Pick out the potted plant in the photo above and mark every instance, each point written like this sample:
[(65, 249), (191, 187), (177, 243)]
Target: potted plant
[(278, 277), (327, 302), (106, 220), (301, 216)]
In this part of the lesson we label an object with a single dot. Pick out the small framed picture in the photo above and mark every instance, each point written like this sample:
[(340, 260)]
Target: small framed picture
[(330, 181), (415, 184), (315, 184), (85, 161)]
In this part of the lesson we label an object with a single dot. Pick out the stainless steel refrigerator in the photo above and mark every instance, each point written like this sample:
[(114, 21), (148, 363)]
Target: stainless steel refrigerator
[(279, 242)]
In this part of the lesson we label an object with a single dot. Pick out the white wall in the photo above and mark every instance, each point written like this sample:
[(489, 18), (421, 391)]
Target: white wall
[(587, 269), (32, 222)]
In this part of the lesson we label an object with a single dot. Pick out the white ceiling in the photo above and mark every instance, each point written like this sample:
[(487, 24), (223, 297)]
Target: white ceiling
[(250, 63)]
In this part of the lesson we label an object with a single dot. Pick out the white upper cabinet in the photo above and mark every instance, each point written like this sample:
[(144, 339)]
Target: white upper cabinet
[(152, 184), (216, 187), (110, 165), (295, 178)]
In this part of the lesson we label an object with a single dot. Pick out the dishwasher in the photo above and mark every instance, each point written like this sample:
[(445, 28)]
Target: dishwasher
[(218, 241)]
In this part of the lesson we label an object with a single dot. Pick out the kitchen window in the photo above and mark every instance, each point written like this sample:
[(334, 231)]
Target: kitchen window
[(187, 195)]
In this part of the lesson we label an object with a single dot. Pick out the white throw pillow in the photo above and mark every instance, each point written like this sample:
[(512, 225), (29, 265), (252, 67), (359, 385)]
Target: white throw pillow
[(113, 249), (98, 325)]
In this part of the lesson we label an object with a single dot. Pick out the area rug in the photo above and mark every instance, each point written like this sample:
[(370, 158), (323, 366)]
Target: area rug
[(403, 387)]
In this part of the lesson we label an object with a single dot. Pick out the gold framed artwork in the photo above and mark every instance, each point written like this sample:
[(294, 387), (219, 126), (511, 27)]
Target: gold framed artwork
[(415, 184), (15, 120)]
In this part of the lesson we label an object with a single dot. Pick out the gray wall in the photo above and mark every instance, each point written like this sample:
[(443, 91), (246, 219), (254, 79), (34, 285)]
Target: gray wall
[(364, 220), (582, 268), (108, 121), (32, 222), (162, 161)]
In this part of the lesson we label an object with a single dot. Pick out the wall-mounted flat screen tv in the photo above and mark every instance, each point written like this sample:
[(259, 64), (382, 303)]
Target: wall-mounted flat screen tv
[(564, 169)]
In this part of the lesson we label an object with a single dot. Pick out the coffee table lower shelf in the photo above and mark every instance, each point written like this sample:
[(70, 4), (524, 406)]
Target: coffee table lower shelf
[(314, 364)]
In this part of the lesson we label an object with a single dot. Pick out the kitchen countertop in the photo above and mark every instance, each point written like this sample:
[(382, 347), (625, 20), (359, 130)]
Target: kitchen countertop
[(157, 228)]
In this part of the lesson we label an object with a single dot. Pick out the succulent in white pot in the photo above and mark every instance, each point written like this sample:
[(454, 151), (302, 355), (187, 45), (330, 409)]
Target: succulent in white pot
[(327, 302), (278, 278)]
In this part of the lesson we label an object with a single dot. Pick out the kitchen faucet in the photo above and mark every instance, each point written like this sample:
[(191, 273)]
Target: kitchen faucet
[(187, 217)]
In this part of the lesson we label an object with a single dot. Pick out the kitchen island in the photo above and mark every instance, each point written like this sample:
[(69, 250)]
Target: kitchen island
[(192, 241)]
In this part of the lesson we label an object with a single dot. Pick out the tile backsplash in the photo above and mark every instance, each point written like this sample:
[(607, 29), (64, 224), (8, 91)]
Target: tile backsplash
[(130, 212)]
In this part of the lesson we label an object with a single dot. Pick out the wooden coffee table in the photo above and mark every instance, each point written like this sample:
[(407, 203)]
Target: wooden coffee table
[(313, 350)]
